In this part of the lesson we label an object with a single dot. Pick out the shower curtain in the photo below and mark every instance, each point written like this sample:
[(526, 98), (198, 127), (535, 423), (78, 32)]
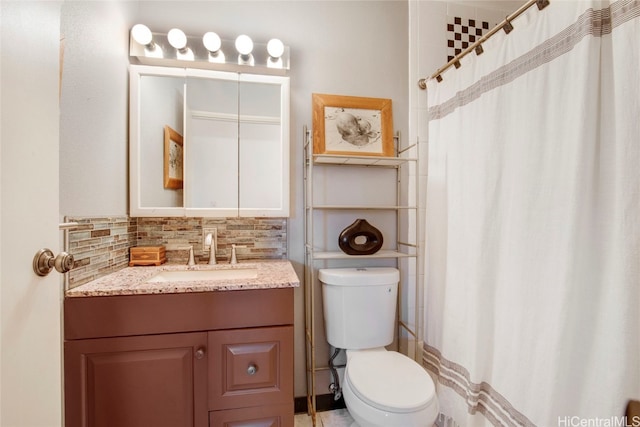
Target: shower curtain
[(532, 293)]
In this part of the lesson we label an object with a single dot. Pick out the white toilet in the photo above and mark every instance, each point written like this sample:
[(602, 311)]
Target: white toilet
[(381, 388)]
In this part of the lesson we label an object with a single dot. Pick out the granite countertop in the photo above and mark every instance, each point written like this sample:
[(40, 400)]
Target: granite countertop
[(135, 280)]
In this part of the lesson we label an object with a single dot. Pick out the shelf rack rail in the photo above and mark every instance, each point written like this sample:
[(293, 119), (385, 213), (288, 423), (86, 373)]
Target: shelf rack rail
[(405, 249)]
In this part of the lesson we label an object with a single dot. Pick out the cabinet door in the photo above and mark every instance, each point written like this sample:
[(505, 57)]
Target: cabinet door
[(155, 380), (258, 416), (250, 367), (263, 149)]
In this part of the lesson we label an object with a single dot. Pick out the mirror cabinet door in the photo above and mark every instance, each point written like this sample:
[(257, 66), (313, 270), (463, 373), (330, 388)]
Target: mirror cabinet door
[(212, 145), (156, 130), (208, 143), (263, 158)]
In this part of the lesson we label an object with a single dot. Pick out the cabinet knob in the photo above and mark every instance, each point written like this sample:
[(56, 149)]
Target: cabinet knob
[(200, 353), (252, 369)]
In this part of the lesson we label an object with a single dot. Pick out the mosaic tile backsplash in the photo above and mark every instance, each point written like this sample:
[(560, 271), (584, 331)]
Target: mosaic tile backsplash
[(100, 246), (256, 238)]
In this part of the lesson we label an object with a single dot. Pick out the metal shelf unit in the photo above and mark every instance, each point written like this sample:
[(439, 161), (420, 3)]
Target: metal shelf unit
[(403, 251)]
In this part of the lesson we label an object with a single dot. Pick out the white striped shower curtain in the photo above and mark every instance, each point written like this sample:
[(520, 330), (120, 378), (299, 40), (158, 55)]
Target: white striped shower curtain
[(532, 293)]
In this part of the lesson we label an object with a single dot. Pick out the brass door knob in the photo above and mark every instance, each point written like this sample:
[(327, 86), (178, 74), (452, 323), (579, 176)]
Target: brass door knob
[(44, 262)]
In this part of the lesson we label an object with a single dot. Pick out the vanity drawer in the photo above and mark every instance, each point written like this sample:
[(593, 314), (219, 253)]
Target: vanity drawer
[(250, 367), (263, 416)]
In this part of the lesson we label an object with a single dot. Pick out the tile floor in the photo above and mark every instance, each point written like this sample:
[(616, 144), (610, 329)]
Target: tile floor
[(336, 418), (341, 418)]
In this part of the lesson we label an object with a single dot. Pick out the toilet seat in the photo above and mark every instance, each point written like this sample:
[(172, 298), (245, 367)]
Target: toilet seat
[(389, 381)]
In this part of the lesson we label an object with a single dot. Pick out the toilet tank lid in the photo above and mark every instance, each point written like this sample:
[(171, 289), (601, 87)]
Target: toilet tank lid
[(359, 276)]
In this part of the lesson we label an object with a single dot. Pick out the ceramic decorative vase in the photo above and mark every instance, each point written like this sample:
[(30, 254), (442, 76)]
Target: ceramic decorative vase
[(360, 238)]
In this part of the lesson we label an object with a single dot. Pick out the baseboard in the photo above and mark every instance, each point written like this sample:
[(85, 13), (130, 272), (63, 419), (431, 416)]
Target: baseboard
[(324, 402)]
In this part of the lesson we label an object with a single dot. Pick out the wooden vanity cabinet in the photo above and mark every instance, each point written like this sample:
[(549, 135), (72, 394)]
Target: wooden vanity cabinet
[(154, 380), (200, 359)]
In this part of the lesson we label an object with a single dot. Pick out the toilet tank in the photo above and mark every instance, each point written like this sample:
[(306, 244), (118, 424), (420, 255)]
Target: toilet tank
[(359, 306)]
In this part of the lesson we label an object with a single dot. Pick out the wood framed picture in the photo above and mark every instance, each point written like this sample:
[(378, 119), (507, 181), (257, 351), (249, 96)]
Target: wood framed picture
[(352, 126), (173, 159)]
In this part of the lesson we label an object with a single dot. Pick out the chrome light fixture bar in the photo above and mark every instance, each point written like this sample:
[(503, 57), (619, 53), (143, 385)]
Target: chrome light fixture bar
[(176, 49)]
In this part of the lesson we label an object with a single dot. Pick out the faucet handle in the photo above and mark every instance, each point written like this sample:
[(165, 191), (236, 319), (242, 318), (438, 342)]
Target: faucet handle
[(192, 261), (234, 259)]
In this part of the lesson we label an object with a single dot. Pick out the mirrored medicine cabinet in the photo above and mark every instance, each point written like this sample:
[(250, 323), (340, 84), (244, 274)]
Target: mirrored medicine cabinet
[(208, 143)]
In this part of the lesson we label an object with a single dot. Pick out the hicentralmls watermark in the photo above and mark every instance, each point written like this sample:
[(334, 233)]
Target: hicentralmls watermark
[(575, 421)]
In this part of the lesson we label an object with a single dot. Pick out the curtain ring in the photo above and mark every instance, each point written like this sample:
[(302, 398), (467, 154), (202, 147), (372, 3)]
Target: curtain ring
[(507, 27), (542, 4)]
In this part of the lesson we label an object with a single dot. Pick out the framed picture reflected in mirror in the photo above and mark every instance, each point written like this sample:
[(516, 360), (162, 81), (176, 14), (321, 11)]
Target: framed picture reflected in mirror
[(173, 159)]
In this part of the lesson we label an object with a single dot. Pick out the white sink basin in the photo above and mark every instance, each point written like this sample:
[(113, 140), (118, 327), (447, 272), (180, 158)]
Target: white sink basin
[(202, 275)]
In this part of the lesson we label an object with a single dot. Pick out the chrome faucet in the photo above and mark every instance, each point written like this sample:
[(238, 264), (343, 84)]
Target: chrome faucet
[(211, 241)]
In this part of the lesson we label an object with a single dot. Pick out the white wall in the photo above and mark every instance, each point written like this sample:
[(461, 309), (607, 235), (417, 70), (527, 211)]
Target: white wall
[(356, 48), (347, 48), (94, 107)]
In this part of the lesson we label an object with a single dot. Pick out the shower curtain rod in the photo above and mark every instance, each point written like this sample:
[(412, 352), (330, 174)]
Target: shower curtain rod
[(506, 25)]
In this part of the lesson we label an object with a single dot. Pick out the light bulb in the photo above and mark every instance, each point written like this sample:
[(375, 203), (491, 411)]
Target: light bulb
[(244, 45), (177, 38), (211, 41), (275, 48), (141, 34)]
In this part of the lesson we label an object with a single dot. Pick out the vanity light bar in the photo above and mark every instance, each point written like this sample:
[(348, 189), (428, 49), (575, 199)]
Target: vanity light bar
[(209, 51)]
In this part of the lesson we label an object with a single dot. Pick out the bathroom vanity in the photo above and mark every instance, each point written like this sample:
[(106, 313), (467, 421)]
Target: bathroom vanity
[(183, 350)]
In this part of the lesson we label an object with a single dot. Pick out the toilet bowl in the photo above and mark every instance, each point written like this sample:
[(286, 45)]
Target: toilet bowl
[(387, 389), (381, 388)]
